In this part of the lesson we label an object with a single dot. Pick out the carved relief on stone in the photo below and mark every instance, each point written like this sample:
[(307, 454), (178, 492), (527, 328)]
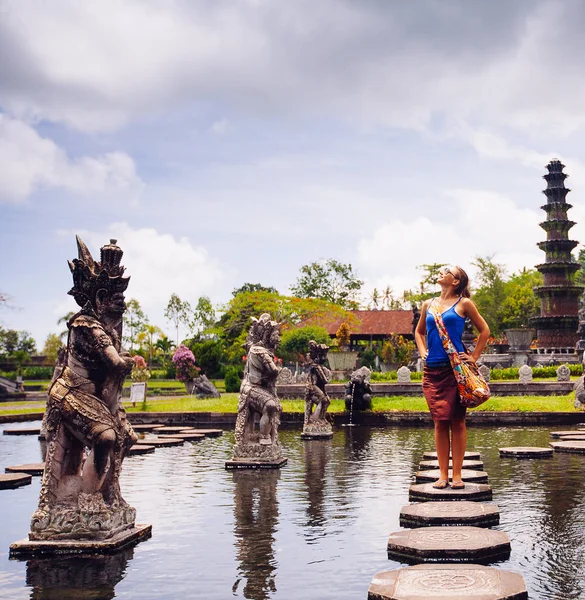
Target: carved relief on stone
[(259, 403), (285, 377), (485, 372), (525, 373), (87, 433), (403, 375), (316, 399), (563, 373)]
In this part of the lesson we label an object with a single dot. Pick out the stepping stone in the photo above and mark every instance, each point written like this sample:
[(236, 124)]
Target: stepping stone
[(170, 430), (164, 442), (525, 452), (474, 465), (560, 434), (463, 544), (468, 456), (205, 432), (23, 431), (447, 582), (9, 481), (31, 469), (423, 492), (190, 437), (466, 475), (146, 428), (425, 514), (138, 449), (574, 438), (573, 447)]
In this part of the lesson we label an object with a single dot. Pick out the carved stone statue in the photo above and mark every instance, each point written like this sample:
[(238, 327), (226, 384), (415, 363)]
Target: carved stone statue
[(258, 400), (358, 392), (203, 388), (316, 424), (87, 432)]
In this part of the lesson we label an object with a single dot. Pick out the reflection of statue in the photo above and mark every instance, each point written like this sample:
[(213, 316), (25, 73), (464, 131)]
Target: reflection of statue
[(203, 388), (80, 495), (358, 392), (315, 423), (316, 456), (255, 522), (258, 399)]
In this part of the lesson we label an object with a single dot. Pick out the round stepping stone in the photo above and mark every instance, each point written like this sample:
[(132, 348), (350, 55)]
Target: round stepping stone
[(560, 434), (448, 582), (206, 432), (525, 452), (170, 430), (472, 491), (9, 481), (31, 469), (190, 437), (425, 514), (138, 449), (573, 447), (147, 427), (464, 544), (164, 442), (474, 465), (468, 456), (23, 431), (574, 438), (466, 475)]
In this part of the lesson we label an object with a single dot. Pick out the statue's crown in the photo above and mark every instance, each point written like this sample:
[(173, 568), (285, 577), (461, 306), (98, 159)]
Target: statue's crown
[(111, 257)]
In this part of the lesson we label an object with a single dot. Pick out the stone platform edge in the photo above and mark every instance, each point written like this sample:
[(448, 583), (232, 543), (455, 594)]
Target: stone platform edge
[(372, 419)]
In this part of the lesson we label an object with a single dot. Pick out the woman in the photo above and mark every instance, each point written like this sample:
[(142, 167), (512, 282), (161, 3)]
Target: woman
[(439, 384)]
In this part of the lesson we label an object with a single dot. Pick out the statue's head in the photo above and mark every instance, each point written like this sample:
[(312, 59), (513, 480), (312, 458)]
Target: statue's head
[(318, 352), (100, 285), (361, 375), (264, 330)]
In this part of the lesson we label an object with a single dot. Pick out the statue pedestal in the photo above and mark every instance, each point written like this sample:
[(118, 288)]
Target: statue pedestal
[(243, 463), (252, 455), (319, 430), (24, 549)]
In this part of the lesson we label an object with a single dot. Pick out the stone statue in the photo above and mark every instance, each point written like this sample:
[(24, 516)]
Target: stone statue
[(315, 423), (258, 400), (203, 388), (358, 392), (87, 432)]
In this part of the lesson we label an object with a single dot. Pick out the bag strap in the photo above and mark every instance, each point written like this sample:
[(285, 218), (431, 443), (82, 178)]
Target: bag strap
[(452, 353)]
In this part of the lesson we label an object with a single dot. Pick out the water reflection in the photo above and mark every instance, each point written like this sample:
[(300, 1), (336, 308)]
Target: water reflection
[(88, 577), (256, 519), (316, 456)]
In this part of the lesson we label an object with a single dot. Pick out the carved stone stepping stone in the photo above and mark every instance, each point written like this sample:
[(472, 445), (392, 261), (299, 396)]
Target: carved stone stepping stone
[(205, 432), (526, 452), (468, 456), (423, 492), (23, 431), (138, 449), (31, 469), (164, 442), (190, 437), (427, 514), (171, 430), (573, 447), (474, 465), (448, 582), (9, 481), (146, 428), (466, 475), (462, 544), (560, 434)]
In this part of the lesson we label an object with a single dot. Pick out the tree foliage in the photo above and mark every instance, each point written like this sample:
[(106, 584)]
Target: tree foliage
[(53, 344), (253, 287), (295, 342), (427, 285), (134, 322), (178, 312), (521, 303), (331, 281), (203, 315)]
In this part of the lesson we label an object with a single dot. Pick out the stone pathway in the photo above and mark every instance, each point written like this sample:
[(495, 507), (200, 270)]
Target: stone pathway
[(23, 431), (9, 481), (423, 514), (466, 475), (147, 428), (423, 492), (468, 456), (139, 449), (573, 447), (526, 452), (475, 465), (30, 469), (560, 434), (163, 442)]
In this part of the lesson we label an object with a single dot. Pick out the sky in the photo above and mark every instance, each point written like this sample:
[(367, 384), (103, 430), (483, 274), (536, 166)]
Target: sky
[(231, 141)]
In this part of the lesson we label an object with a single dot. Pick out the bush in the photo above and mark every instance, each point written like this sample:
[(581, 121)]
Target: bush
[(37, 372), (368, 358), (233, 378), (397, 349), (295, 342), (210, 356)]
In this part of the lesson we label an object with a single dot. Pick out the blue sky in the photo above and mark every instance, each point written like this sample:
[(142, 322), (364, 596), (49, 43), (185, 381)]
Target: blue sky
[(232, 141)]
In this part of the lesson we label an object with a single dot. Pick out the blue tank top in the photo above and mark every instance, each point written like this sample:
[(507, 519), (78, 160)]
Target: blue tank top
[(454, 324)]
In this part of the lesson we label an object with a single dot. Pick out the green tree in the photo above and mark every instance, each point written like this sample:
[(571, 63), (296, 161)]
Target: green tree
[(490, 293), (253, 287), (210, 357), (53, 344), (332, 281), (520, 302), (427, 285), (63, 321), (178, 312), (134, 322), (151, 332), (295, 341), (203, 315), (580, 275)]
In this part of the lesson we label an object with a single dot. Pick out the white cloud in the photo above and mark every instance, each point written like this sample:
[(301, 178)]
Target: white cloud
[(31, 162), (220, 127)]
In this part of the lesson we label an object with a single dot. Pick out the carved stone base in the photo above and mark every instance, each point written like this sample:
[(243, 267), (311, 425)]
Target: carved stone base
[(27, 548), (232, 465), (253, 455), (318, 430), (91, 519)]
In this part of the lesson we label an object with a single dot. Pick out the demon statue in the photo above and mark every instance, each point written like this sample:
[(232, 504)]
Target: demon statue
[(86, 429), (358, 392), (258, 402), (316, 424)]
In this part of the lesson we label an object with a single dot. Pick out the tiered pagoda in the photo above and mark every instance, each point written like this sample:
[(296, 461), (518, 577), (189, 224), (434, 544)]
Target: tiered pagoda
[(559, 314)]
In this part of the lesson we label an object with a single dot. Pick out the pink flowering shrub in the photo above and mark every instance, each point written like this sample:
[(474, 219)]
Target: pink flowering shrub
[(139, 371), (184, 361)]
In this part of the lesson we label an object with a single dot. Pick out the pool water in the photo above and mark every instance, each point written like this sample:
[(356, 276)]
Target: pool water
[(316, 529)]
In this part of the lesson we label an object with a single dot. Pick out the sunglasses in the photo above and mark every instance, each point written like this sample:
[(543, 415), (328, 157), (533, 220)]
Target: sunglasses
[(447, 270)]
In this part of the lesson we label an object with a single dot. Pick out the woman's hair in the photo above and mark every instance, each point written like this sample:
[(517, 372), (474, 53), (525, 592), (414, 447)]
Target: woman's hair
[(463, 288)]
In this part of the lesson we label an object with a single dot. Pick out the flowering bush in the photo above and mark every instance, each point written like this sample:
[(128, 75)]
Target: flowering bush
[(397, 349), (343, 335), (184, 361), (139, 371)]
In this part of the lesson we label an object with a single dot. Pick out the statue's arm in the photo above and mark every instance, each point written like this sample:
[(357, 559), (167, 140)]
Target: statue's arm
[(112, 358), (268, 363)]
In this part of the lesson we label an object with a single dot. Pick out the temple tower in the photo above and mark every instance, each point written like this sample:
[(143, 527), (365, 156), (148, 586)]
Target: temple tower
[(559, 320)]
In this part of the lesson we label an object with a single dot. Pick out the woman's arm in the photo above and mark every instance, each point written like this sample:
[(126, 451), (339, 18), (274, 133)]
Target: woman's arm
[(421, 330), (479, 323)]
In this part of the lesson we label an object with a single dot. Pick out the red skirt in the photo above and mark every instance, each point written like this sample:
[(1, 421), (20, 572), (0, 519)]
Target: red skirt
[(440, 390)]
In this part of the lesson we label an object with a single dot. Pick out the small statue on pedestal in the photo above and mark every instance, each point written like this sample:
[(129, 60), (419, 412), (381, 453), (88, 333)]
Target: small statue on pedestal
[(87, 433), (358, 391), (258, 401), (316, 424)]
